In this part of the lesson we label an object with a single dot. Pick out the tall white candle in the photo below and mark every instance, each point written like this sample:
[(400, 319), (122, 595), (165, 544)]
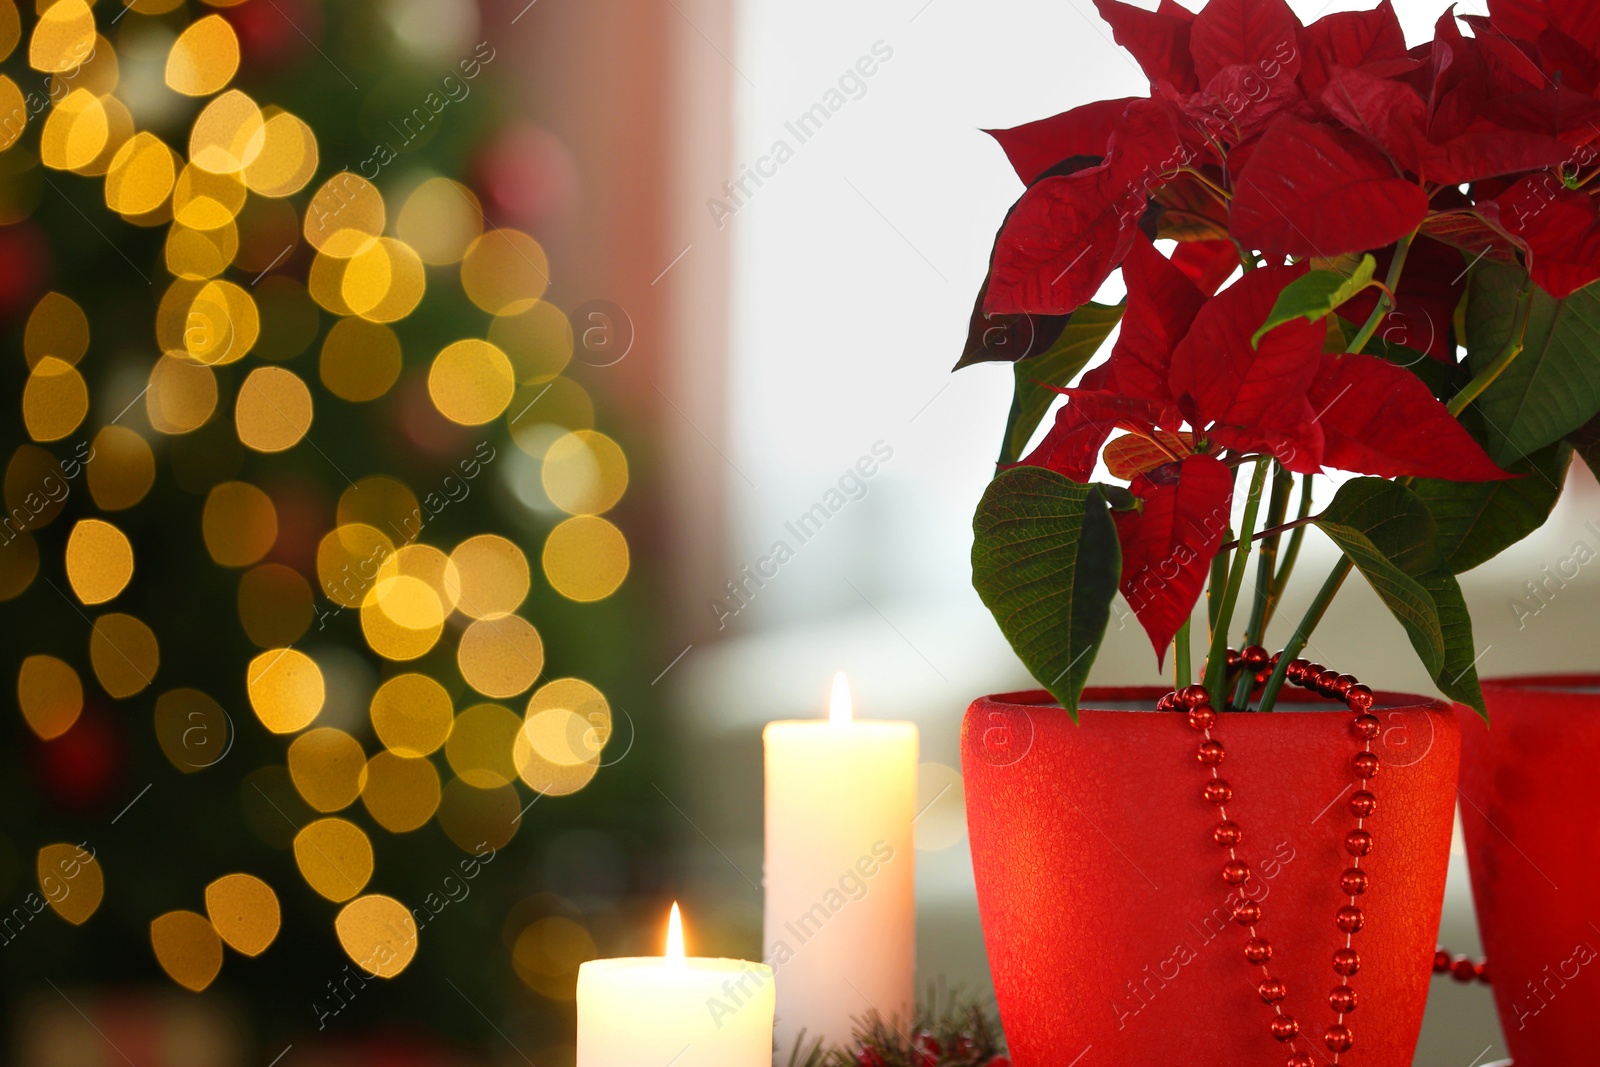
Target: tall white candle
[(840, 864), (656, 1011)]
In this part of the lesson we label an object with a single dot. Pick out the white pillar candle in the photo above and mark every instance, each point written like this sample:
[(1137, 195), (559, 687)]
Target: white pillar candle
[(840, 864), (656, 1011)]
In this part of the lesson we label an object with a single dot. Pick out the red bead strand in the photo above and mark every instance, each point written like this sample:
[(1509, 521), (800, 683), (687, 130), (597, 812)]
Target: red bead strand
[(1354, 881)]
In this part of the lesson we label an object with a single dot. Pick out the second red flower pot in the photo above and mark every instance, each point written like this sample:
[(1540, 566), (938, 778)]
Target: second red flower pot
[(1530, 811), (1105, 913)]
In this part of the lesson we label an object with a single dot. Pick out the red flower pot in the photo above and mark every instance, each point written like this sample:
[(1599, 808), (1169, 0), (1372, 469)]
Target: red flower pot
[(1107, 920), (1531, 815)]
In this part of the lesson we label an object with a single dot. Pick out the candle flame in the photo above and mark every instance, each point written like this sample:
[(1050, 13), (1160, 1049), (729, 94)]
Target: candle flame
[(840, 712), (675, 934)]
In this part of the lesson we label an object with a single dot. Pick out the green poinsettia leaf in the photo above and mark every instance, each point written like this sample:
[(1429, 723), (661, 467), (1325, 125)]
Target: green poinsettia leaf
[(1388, 534), (1458, 674), (1479, 520), (1046, 562), (1553, 387), (1586, 442), (1031, 396), (1315, 295)]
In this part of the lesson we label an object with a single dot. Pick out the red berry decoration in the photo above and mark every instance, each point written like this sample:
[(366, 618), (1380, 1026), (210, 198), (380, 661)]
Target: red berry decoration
[(1217, 791), (1301, 1059), (868, 1058), (1358, 843), (1272, 990), (1342, 686), (1338, 1038), (1168, 702), (1463, 969), (1327, 682), (1359, 698), (1227, 834), (1366, 727), (1284, 1028), (1347, 961), (1442, 962), (1202, 717), (1211, 753), (1258, 950), (1348, 919), (1247, 913), (1342, 1000), (1255, 657), (1192, 696), (1235, 872), (1365, 765), (1353, 881), (1363, 804)]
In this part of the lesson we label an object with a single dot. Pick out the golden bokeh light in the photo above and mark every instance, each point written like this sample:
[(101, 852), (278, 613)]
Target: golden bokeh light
[(188, 948), (244, 911), (505, 271), (334, 857), (124, 653), (348, 562), (288, 156), (119, 128), (99, 73), (412, 715), (567, 721), (54, 400), (360, 360), (328, 768), (19, 565), (493, 574), (63, 38), (471, 382), (222, 325), (345, 216), (10, 27), (476, 819), (440, 219), (290, 320), (428, 564), (70, 878), (325, 282), (123, 470), (548, 777), (228, 134), (181, 397), (548, 953), (585, 558), (99, 561), (200, 254), (584, 473), (240, 524), (16, 109), (273, 411), (500, 657), (141, 175), (540, 414), (378, 934), (381, 502), (75, 133), (401, 792), (401, 618), (204, 58), (36, 489), (479, 747), (384, 282), (50, 695), (286, 689), (192, 729), (274, 605), (205, 200), (537, 340)]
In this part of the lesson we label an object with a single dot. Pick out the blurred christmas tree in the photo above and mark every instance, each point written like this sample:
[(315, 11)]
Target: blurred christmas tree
[(318, 625)]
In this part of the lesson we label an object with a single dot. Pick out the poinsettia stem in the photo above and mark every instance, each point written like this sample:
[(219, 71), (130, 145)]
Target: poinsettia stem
[(1215, 587), (1302, 633), (1266, 558), (1223, 196), (1217, 657), (1386, 299), (1280, 580), (1182, 670), (1513, 348), (1273, 531)]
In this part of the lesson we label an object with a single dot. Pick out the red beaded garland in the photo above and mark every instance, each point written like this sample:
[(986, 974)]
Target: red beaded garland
[(1353, 881)]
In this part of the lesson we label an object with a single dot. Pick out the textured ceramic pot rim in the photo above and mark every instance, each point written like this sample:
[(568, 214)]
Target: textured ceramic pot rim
[(1555, 682), (1296, 699)]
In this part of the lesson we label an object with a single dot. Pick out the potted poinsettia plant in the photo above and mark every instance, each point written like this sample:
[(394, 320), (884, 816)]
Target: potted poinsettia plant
[(1340, 254)]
